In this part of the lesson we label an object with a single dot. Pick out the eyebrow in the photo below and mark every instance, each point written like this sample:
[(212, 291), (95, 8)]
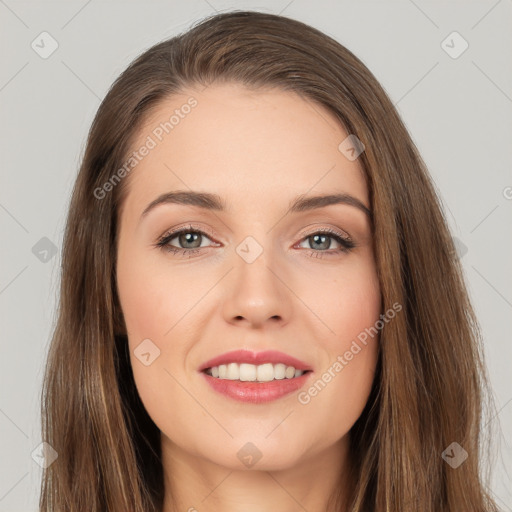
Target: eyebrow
[(214, 202)]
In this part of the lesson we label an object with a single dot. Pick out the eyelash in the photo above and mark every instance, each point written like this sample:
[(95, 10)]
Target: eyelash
[(346, 243)]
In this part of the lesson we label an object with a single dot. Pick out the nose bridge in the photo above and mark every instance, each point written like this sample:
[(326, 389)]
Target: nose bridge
[(256, 291)]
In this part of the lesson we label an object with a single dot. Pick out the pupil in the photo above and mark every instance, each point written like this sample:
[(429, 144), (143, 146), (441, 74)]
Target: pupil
[(325, 244), (190, 238)]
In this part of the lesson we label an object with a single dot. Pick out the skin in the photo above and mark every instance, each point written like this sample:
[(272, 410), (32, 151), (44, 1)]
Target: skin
[(258, 150)]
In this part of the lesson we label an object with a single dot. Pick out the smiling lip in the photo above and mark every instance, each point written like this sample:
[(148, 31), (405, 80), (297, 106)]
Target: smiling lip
[(256, 358), (251, 391)]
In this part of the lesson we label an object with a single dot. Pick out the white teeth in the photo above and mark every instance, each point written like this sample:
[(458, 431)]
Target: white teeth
[(265, 372), (233, 372), (290, 372), (254, 373), (279, 371), (247, 372)]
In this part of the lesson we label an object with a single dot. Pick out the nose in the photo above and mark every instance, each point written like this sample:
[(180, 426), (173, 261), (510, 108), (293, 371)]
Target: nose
[(257, 294)]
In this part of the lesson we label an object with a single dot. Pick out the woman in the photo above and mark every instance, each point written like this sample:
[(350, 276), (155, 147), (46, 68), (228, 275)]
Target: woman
[(314, 347)]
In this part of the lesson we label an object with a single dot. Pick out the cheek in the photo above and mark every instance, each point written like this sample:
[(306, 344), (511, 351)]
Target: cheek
[(350, 307), (149, 306), (345, 301), (152, 305), (153, 299)]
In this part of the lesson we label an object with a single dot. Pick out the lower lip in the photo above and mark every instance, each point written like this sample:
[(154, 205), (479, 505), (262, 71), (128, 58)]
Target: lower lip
[(256, 392)]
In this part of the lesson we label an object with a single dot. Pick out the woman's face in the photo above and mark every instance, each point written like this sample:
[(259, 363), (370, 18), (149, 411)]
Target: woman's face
[(250, 273)]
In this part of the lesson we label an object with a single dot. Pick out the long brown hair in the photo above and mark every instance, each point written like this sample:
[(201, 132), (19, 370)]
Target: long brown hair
[(430, 388)]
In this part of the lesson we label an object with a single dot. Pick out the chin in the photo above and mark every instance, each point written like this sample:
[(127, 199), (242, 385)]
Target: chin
[(256, 455)]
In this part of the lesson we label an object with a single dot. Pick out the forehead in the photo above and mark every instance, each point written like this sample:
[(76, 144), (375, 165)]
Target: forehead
[(246, 145)]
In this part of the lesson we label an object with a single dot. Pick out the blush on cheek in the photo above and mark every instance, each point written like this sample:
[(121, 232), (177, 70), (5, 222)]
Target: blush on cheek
[(350, 311), (145, 300)]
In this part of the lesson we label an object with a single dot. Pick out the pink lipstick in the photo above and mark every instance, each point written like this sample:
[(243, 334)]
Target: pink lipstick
[(255, 377)]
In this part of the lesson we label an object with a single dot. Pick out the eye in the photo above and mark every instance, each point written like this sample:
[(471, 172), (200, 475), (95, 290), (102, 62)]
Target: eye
[(321, 241), (189, 239)]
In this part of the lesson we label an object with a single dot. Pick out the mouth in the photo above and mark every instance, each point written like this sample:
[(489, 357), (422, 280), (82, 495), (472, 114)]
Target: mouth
[(246, 372), (255, 377)]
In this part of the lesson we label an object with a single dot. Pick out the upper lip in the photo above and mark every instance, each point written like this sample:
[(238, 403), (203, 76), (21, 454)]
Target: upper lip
[(256, 358)]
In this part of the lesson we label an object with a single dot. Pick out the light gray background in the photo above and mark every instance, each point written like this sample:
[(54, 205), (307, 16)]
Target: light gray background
[(458, 112)]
